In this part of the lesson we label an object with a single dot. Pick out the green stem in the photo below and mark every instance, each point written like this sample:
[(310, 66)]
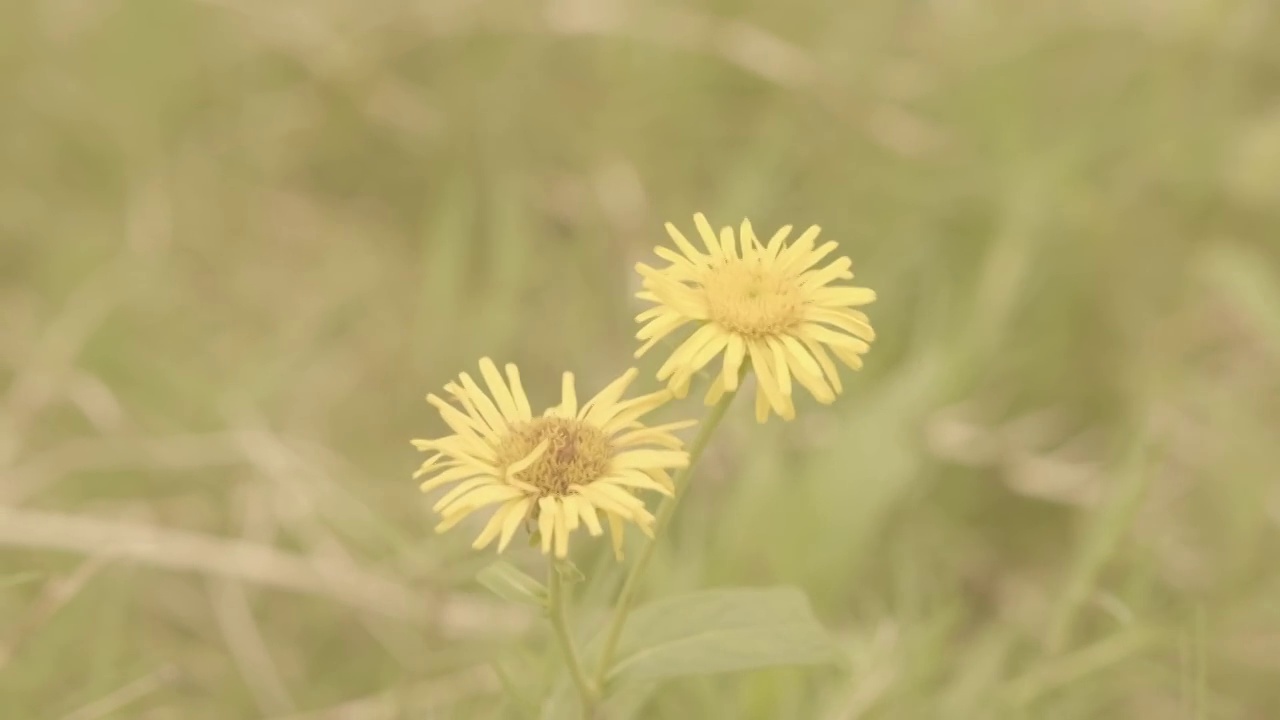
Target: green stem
[(555, 606), (626, 598)]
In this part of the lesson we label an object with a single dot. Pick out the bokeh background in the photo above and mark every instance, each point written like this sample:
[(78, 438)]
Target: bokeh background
[(240, 240)]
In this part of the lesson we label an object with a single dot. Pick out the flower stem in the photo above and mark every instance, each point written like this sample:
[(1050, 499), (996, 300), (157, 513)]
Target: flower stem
[(626, 598), (555, 606)]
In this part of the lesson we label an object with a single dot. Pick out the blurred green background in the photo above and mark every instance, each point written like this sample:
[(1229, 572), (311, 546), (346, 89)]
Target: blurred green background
[(240, 240)]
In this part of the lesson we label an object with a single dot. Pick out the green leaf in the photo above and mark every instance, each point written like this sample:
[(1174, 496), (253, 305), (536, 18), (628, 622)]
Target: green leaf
[(510, 583), (626, 700), (569, 573), (723, 630)]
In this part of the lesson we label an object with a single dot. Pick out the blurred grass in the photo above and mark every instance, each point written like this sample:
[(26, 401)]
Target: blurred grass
[(239, 241)]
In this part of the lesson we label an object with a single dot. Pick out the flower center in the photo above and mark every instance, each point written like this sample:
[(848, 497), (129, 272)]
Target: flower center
[(577, 453), (751, 299)]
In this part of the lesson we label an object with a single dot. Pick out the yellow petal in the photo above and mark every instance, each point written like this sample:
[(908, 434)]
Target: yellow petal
[(656, 435), (839, 296), (796, 252), (644, 459), (851, 321), (621, 498), (685, 246), (493, 527), (780, 365), (681, 268), (617, 529), (601, 500), (454, 474), (562, 532), (639, 480), (546, 522), (775, 243), (486, 407), (838, 270), (734, 353), (568, 396), (687, 350), (458, 421), (605, 401), (807, 371), (680, 386), (625, 414), (498, 388), (828, 367), (527, 461), (708, 235), (813, 258), (830, 337), (848, 357), (517, 513), (713, 348), (452, 519), (747, 239), (766, 381), (461, 489), (715, 391), (570, 505), (523, 411), (427, 464), (587, 511), (663, 478), (727, 244)]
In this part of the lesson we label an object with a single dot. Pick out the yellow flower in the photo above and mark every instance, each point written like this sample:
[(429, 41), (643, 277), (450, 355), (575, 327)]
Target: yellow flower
[(558, 470), (766, 303)]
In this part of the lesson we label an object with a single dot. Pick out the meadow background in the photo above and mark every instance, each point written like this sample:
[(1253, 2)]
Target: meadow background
[(240, 241)]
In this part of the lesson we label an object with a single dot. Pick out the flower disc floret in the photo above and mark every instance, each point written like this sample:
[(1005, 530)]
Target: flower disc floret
[(576, 453)]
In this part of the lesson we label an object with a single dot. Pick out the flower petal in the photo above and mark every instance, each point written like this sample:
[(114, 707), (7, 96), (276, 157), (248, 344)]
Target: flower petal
[(734, 353), (486, 407), (562, 532), (606, 400), (617, 531), (498, 388), (645, 459), (523, 411), (587, 511), (767, 381), (685, 246), (568, 396), (517, 512), (708, 235), (493, 527), (635, 479), (454, 474), (546, 522)]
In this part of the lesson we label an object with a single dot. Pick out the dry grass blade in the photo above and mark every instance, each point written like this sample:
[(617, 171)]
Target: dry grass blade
[(419, 701), (249, 562), (57, 593), (124, 696)]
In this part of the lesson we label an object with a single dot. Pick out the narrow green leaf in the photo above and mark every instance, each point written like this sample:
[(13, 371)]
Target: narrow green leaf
[(569, 572), (510, 583), (723, 630)]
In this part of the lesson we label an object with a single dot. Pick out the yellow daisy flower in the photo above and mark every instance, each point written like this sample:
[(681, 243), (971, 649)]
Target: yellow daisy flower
[(559, 470), (766, 303)]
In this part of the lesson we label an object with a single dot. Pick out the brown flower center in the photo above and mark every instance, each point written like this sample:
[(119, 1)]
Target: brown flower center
[(577, 453)]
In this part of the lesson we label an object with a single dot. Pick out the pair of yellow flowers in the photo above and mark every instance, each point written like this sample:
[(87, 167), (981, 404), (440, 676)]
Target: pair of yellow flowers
[(766, 306)]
